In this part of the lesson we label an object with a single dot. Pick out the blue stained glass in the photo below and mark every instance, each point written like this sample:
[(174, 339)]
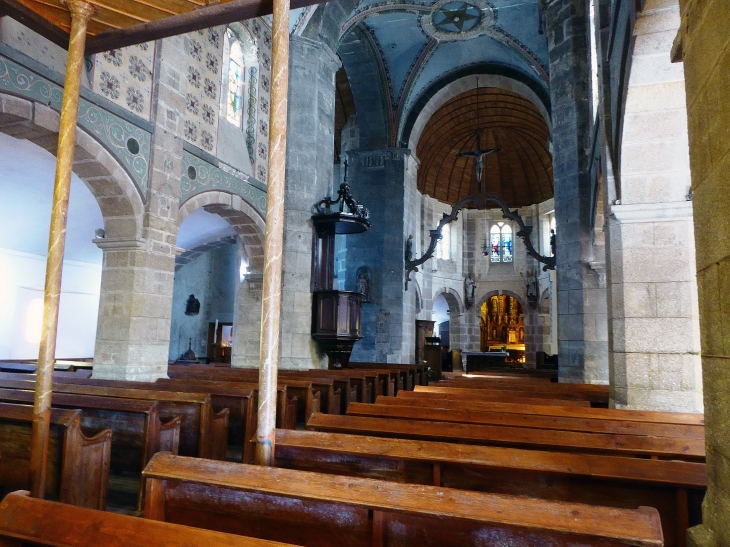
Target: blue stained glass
[(506, 246), (494, 247)]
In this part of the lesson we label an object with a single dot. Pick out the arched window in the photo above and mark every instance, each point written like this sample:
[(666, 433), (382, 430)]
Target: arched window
[(443, 247), (234, 106), (500, 239)]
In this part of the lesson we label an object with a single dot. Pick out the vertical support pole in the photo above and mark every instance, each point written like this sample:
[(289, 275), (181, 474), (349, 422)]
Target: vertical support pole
[(274, 242), (80, 13)]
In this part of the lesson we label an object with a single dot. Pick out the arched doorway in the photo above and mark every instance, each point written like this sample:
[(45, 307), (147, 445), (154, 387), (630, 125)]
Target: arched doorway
[(502, 325), (221, 267)]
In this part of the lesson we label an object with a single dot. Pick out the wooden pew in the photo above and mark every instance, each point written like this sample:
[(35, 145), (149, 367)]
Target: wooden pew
[(551, 374), (424, 400), (203, 432), (412, 375), (349, 388), (572, 392), (29, 521), (516, 437), (589, 425), (330, 510), (77, 467), (298, 396), (495, 397), (676, 489), (137, 431)]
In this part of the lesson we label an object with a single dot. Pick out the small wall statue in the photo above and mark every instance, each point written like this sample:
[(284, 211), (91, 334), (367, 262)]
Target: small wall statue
[(192, 307), (362, 282), (469, 288)]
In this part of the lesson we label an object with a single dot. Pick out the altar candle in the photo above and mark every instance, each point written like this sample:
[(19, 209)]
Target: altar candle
[(215, 332)]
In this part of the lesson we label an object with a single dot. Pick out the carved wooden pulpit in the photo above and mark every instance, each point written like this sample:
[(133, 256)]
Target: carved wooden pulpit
[(335, 314)]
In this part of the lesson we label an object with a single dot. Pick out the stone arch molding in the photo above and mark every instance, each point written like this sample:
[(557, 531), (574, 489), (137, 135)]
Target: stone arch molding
[(247, 222), (453, 299), (115, 192), (467, 83), (490, 294)]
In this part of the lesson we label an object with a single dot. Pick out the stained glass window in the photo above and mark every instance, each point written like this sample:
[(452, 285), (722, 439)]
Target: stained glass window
[(500, 243), (234, 109), (506, 243), (494, 243)]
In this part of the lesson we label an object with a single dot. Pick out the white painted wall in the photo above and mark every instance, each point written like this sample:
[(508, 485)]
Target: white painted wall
[(22, 276)]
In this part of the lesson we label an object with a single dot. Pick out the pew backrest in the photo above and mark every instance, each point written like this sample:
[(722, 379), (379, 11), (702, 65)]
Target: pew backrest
[(30, 521), (327, 510), (78, 466)]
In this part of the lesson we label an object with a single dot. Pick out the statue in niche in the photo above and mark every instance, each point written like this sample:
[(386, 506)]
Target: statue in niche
[(469, 287), (193, 306), (362, 282), (409, 249), (553, 244)]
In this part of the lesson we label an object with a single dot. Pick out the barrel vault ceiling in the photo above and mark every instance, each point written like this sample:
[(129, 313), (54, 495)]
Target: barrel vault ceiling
[(398, 54)]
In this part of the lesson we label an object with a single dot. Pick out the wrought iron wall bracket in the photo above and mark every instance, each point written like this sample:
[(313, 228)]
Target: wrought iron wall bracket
[(480, 200)]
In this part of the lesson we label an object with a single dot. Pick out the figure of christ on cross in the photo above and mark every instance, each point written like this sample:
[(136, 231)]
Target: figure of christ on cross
[(478, 156)]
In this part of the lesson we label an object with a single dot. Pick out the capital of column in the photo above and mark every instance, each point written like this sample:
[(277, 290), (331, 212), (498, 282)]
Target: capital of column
[(120, 243), (332, 59), (80, 8)]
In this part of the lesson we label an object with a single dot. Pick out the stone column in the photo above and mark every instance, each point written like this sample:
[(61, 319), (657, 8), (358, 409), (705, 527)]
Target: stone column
[(582, 332), (133, 333), (655, 340), (247, 322), (705, 44), (309, 171), (385, 181)]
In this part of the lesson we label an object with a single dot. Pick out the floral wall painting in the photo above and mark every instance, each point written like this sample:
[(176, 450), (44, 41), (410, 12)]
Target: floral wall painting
[(124, 76)]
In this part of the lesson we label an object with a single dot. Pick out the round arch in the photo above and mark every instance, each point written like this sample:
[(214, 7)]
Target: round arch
[(482, 299), (453, 299), (115, 192), (432, 100), (244, 219)]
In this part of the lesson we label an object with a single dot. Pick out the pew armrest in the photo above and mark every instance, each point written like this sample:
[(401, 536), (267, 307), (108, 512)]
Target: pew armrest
[(85, 474), (170, 435), (334, 406), (218, 434)]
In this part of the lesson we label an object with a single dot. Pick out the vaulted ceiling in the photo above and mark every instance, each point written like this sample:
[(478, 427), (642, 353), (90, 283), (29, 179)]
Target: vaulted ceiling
[(521, 172), (399, 51)]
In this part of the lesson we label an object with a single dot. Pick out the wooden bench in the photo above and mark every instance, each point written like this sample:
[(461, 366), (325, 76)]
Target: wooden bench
[(571, 392), (675, 489), (517, 437), (137, 432), (424, 400), (551, 374), (29, 521), (412, 375), (203, 432), (494, 397), (77, 469), (349, 388), (298, 396), (590, 425), (330, 510)]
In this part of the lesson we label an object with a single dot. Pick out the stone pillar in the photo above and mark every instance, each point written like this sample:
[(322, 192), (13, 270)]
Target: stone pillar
[(309, 172), (582, 332), (655, 340), (247, 322), (705, 44), (381, 180), (133, 333)]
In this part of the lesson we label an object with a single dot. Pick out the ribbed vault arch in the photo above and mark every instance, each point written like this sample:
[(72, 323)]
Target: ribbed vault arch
[(521, 173)]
